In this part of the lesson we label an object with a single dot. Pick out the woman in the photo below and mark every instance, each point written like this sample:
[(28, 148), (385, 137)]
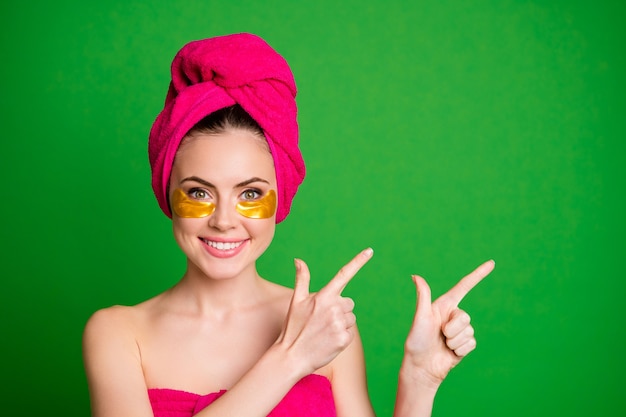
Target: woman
[(224, 341)]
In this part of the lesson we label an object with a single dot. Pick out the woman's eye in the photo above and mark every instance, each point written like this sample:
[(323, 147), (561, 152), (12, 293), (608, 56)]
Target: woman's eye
[(198, 194), (251, 194)]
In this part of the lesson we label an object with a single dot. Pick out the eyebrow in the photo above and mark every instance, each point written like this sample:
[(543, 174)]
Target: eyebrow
[(208, 184)]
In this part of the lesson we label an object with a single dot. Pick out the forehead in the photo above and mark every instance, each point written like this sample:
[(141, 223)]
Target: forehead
[(235, 154)]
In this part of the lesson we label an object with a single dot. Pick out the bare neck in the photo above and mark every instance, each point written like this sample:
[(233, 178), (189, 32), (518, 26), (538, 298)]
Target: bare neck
[(200, 294)]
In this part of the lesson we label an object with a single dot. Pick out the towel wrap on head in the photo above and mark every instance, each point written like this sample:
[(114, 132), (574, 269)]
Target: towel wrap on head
[(211, 74)]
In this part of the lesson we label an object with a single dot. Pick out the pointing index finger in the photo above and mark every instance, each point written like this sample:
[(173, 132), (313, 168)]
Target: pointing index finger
[(345, 274), (465, 285)]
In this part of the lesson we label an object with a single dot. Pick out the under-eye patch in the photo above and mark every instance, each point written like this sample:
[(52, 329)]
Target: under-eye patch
[(186, 207), (263, 208)]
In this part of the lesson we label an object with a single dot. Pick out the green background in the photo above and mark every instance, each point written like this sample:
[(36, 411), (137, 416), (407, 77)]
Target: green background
[(441, 133)]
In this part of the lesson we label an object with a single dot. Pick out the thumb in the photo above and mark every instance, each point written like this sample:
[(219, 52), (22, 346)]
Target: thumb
[(303, 277), (424, 300)]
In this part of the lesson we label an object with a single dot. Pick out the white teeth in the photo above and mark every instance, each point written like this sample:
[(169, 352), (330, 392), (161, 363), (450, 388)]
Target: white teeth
[(223, 245)]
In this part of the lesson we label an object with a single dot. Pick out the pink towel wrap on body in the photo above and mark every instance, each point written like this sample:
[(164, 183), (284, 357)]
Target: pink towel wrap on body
[(211, 74), (310, 397)]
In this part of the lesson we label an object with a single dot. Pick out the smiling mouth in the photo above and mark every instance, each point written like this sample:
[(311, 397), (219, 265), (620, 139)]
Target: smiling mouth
[(222, 245)]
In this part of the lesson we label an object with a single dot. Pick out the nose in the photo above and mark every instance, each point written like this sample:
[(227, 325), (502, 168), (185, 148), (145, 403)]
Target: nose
[(224, 217)]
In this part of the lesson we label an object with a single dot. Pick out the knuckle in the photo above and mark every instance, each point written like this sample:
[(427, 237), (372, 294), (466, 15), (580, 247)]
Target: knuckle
[(335, 310), (448, 329), (337, 325), (471, 345), (450, 345), (460, 316), (350, 319), (345, 339), (465, 318), (343, 272), (468, 347)]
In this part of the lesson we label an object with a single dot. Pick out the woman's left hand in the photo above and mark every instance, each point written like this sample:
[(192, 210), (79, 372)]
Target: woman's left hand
[(441, 334)]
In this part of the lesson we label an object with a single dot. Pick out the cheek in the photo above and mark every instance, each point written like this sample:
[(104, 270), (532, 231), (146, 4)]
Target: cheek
[(263, 230), (183, 229)]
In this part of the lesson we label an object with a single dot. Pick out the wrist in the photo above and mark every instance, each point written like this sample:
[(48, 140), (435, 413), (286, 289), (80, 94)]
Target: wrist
[(288, 361), (418, 376)]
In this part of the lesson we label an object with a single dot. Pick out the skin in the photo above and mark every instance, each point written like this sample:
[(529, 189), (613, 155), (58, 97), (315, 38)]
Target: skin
[(269, 336)]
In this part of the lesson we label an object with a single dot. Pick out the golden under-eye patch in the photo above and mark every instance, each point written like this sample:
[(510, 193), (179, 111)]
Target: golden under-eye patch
[(263, 208), (188, 208), (185, 207)]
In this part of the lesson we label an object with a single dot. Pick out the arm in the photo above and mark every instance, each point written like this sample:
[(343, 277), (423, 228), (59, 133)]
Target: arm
[(117, 386), (113, 366), (318, 327), (349, 381)]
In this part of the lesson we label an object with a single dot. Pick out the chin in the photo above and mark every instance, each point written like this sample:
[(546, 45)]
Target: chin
[(222, 269)]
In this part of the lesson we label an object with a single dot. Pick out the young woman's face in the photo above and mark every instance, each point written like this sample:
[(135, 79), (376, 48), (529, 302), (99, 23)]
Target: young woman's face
[(215, 176)]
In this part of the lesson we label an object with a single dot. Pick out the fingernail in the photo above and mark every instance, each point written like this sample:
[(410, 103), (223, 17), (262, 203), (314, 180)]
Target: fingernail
[(368, 252), (296, 262)]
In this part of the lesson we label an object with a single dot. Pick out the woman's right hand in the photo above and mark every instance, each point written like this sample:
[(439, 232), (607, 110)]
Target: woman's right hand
[(320, 325)]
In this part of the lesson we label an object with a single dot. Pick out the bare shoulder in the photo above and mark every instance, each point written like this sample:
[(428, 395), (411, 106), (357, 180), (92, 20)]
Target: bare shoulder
[(112, 360), (110, 330), (110, 351), (110, 314), (118, 323), (110, 320), (118, 319)]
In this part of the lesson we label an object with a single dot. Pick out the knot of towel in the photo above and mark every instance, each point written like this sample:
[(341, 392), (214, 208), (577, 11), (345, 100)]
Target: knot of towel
[(211, 74)]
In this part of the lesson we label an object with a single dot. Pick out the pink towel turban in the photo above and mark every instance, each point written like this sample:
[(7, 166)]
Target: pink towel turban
[(210, 74)]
